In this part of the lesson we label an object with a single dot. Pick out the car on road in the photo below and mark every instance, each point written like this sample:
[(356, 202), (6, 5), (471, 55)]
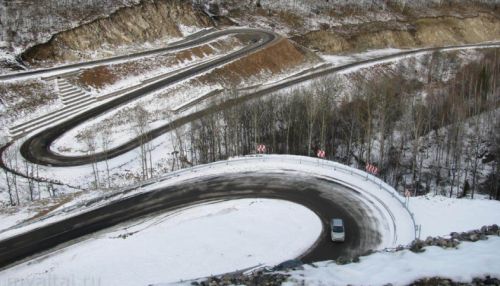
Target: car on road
[(337, 229)]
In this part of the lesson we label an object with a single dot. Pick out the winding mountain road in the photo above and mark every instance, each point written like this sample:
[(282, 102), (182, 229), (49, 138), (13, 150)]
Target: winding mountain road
[(36, 149), (327, 199)]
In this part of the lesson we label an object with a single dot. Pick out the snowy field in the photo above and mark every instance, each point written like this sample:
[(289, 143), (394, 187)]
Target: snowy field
[(395, 222), (340, 60), (470, 260), (264, 238), (440, 216), (190, 243)]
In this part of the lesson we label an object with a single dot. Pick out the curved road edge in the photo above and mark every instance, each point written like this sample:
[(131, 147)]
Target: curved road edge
[(394, 223), (36, 148), (186, 42)]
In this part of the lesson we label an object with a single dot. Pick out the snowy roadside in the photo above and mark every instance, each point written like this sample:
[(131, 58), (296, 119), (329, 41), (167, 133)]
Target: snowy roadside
[(397, 226), (437, 215), (185, 244), (469, 261), (434, 213)]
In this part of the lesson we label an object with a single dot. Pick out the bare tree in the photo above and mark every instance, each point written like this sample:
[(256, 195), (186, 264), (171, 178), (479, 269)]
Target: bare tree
[(10, 160), (312, 107), (89, 139), (105, 142), (141, 119), (9, 187)]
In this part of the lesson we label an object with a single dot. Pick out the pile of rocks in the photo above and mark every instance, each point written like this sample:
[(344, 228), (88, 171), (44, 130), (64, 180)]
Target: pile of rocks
[(255, 279), (455, 238), (270, 278), (475, 235), (447, 282)]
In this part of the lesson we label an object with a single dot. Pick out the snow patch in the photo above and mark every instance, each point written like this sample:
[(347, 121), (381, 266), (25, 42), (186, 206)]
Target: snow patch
[(186, 244), (441, 215), (470, 260)]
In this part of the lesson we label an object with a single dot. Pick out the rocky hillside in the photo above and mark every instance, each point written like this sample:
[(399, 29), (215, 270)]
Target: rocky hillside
[(149, 21), (72, 30), (342, 26), (24, 23)]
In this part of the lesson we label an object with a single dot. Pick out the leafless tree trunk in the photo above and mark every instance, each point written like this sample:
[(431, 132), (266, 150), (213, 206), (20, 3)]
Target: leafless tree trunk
[(9, 188), (88, 137), (141, 118), (105, 142)]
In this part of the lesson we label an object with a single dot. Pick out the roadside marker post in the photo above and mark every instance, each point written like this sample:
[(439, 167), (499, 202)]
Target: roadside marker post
[(261, 148), (407, 196), (372, 169), (321, 153)]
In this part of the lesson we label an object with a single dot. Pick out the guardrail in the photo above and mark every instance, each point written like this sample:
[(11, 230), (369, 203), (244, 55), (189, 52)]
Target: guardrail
[(301, 160), (246, 160)]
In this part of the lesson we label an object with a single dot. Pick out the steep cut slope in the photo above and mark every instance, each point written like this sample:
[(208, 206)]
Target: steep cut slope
[(436, 31), (146, 22), (25, 23), (283, 56)]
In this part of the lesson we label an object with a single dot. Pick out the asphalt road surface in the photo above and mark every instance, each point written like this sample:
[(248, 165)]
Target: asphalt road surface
[(327, 199), (36, 149)]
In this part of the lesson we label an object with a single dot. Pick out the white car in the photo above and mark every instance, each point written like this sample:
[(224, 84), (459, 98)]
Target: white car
[(337, 229)]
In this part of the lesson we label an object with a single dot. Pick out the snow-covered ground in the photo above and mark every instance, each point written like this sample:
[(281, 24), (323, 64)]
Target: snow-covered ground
[(394, 222), (122, 122), (190, 243), (125, 166), (470, 260), (340, 60), (437, 216)]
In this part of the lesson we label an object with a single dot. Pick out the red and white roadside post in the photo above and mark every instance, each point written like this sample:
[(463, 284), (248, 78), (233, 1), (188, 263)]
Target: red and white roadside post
[(320, 154), (261, 149), (371, 169), (407, 196)]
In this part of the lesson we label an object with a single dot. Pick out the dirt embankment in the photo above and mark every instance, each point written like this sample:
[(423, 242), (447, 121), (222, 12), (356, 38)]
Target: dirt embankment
[(435, 31), (280, 57), (102, 76), (146, 22)]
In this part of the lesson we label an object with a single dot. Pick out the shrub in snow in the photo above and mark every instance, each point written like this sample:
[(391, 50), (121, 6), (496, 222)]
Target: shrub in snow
[(343, 260)]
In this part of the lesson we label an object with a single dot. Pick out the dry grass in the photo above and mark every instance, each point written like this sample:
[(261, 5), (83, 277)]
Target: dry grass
[(25, 97), (48, 205), (433, 31), (200, 52), (275, 59), (97, 77), (102, 76), (290, 19)]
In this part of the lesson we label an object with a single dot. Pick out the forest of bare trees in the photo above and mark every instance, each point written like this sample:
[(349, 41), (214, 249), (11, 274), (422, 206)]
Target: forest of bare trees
[(428, 131), (423, 134)]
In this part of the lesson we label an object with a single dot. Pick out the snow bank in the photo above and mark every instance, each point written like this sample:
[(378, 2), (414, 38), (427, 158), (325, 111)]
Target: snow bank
[(340, 60), (471, 260), (437, 215), (440, 216), (186, 244), (396, 223)]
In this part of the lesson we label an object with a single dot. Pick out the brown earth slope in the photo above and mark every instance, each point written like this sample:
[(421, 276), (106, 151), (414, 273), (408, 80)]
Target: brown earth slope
[(435, 31), (280, 57), (148, 21)]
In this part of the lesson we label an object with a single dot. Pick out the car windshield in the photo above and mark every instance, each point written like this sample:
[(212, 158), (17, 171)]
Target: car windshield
[(338, 229)]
